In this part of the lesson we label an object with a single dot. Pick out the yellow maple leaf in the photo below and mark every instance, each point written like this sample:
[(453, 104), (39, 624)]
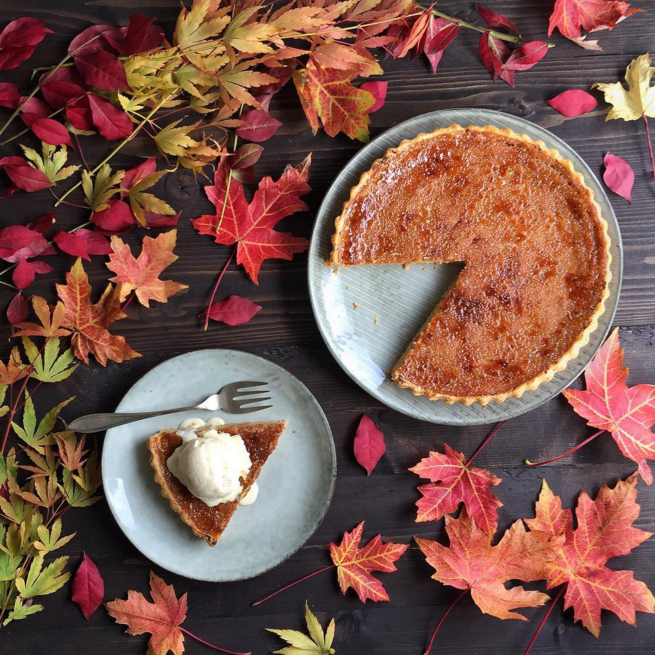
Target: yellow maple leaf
[(638, 99)]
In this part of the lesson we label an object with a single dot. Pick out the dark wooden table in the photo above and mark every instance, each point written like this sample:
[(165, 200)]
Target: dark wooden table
[(286, 333)]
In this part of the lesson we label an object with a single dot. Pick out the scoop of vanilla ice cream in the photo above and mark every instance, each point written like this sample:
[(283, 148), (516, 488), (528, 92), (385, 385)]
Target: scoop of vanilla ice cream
[(211, 466)]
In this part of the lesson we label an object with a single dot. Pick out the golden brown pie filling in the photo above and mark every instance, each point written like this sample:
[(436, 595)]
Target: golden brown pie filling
[(534, 248)]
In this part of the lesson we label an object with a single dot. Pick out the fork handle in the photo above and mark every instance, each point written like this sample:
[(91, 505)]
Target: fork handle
[(102, 422)]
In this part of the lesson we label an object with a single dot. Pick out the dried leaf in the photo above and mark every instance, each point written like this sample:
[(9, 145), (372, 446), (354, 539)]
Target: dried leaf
[(379, 91), (471, 562), (140, 35), (440, 34), (251, 225), (102, 70), (19, 39), (112, 122), (497, 21), (18, 309), (88, 587), (258, 125), (369, 444), (573, 102), (618, 176), (355, 565), (604, 530), (454, 482), (609, 404), (90, 322), (317, 643), (141, 275), (82, 243), (638, 99), (234, 310)]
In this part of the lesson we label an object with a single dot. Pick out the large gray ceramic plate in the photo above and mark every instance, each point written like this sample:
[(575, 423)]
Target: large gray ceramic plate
[(403, 299), (296, 483)]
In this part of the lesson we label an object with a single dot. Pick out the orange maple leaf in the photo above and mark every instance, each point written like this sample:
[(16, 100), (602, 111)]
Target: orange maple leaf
[(627, 413), (570, 17), (51, 321), (141, 274), (89, 323), (161, 618), (456, 483), (355, 564), (250, 226), (330, 96), (14, 369), (470, 562), (604, 530)]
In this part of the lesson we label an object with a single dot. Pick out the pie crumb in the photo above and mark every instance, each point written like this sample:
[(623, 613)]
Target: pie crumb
[(335, 271), (376, 320), (355, 305)]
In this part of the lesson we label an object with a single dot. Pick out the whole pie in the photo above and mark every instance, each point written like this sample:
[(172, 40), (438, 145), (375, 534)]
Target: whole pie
[(209, 523), (534, 246)]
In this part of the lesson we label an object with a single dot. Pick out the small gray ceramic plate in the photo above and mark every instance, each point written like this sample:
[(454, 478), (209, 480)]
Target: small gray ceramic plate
[(403, 299), (296, 484)]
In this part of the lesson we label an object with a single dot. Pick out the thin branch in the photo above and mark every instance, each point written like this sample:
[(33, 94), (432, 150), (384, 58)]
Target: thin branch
[(543, 621), (567, 453), (218, 281), (490, 436), (443, 618), (293, 584), (650, 146), (206, 643)]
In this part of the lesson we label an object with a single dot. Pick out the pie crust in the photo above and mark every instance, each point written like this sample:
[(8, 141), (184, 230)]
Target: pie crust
[(345, 242)]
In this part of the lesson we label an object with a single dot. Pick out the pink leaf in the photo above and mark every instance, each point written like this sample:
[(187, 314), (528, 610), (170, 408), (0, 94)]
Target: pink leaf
[(496, 20), (159, 220), (258, 126), (573, 102), (102, 70), (369, 444), (41, 267), (619, 176), (234, 310), (441, 33), (526, 56), (42, 224), (112, 122), (88, 587), (59, 93), (246, 156), (494, 53), (18, 309), (23, 275), (82, 243), (18, 242), (379, 91), (86, 42), (136, 174), (32, 110), (9, 95), (50, 131), (79, 114), (23, 175), (19, 39), (117, 218), (140, 36)]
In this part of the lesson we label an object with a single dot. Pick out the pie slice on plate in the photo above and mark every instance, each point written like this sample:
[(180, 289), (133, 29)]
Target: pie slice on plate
[(209, 523), (534, 245)]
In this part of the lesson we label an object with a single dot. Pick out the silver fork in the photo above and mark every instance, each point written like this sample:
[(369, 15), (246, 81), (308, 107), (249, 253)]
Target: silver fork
[(235, 398)]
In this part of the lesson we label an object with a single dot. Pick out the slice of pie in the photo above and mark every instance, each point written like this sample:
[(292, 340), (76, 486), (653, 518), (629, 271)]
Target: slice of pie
[(260, 440), (534, 246)]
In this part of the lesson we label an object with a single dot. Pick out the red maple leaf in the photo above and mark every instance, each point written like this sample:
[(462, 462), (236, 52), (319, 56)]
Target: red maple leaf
[(604, 530), (609, 404), (90, 322), (571, 17), (162, 618), (355, 564), (250, 226), (454, 483)]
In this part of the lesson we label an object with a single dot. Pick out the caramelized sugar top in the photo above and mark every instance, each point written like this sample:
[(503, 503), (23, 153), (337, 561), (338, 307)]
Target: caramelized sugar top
[(528, 234)]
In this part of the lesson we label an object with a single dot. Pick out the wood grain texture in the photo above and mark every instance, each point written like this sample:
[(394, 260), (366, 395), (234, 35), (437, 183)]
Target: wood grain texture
[(285, 332)]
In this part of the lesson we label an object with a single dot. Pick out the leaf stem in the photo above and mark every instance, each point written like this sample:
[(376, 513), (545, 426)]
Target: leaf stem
[(543, 621), (206, 643), (218, 281), (485, 442), (117, 149), (650, 145), (479, 28), (568, 452), (293, 584), (443, 618)]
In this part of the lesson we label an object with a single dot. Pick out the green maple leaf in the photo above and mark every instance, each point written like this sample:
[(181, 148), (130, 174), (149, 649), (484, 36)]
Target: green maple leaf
[(141, 201), (51, 162), (42, 581), (174, 140), (317, 643), (99, 190), (22, 610), (50, 540), (51, 366), (79, 487), (38, 434), (196, 24)]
